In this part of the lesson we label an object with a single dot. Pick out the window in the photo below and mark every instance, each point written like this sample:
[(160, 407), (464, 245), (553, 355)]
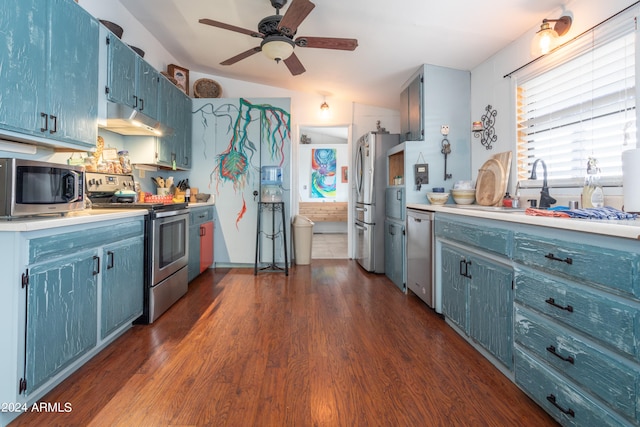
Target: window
[(579, 102)]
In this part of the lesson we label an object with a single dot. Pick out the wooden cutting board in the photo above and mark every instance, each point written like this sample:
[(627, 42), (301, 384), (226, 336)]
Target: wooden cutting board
[(494, 184), (490, 183)]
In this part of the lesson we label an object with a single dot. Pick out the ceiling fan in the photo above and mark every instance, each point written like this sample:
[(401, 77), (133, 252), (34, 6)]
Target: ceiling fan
[(277, 32)]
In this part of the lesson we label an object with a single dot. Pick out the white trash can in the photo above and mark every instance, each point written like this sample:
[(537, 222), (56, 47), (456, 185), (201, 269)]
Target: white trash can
[(302, 235)]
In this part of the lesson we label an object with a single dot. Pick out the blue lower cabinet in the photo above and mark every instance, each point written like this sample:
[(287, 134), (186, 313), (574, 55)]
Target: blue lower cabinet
[(607, 318), (477, 297), (394, 248), (122, 284), (62, 302), (580, 360), (455, 287), (491, 307), (569, 405), (80, 294)]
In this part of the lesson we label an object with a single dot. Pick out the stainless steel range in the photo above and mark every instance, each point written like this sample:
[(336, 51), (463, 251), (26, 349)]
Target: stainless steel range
[(166, 240)]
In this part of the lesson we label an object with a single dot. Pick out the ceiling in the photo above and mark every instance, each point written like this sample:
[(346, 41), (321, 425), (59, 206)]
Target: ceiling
[(394, 39)]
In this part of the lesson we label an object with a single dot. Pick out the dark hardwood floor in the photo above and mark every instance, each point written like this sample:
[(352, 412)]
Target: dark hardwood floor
[(330, 345)]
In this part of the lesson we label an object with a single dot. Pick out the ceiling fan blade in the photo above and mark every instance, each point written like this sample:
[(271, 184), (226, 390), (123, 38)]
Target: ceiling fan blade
[(294, 65), (295, 14), (230, 27), (327, 43), (242, 56)]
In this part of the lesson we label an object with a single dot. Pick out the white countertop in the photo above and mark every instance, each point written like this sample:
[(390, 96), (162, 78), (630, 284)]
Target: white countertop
[(629, 229), (86, 216)]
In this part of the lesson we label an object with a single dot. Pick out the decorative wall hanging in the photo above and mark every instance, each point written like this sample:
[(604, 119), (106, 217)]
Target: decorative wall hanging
[(323, 172), (181, 75), (485, 130)]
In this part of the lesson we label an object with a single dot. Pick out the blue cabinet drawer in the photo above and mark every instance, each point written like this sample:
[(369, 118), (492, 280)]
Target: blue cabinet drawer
[(602, 316), (599, 372), (200, 215), (600, 265), (568, 404), (492, 239), (57, 245)]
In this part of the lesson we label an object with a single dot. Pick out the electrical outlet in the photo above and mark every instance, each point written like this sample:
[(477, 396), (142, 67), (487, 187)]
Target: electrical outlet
[(444, 130)]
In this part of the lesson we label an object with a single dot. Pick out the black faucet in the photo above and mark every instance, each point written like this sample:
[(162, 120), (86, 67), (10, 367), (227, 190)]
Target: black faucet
[(545, 199)]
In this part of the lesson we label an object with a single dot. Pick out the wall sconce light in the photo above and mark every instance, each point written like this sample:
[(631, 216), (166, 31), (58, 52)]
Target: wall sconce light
[(485, 130), (546, 39)]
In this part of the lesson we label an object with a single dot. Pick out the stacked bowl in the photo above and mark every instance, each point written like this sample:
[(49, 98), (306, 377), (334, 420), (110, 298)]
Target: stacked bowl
[(463, 193), (463, 197), (437, 198)]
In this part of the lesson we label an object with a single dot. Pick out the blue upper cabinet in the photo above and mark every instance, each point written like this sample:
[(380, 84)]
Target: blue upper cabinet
[(131, 80), (22, 61), (148, 83), (121, 73), (49, 59)]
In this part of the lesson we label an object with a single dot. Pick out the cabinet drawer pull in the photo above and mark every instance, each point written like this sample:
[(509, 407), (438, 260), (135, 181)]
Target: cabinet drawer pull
[(551, 398), (551, 349), (96, 263), (555, 258), (466, 264), (141, 104), (55, 124), (553, 303), (109, 260), (45, 116), (135, 102), (203, 231)]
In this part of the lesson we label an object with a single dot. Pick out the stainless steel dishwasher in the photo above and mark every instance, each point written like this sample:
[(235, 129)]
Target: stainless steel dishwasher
[(420, 255)]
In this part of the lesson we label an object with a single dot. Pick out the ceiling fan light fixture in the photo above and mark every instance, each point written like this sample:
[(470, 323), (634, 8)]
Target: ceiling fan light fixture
[(277, 47), (547, 38)]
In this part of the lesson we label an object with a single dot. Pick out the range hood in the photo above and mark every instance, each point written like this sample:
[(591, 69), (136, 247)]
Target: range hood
[(126, 120)]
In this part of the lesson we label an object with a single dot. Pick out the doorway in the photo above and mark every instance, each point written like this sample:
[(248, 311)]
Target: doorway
[(324, 187)]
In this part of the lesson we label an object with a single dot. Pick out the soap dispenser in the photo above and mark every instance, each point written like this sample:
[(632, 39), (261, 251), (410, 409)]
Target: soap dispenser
[(507, 201), (592, 193)]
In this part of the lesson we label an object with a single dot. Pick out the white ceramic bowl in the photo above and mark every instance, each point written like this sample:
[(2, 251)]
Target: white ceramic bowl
[(464, 197), (438, 198)]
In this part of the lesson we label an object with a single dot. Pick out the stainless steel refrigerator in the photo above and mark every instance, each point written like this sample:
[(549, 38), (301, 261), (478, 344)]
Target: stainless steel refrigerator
[(371, 180)]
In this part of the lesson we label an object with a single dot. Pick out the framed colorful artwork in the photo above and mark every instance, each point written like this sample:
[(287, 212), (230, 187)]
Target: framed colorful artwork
[(323, 173)]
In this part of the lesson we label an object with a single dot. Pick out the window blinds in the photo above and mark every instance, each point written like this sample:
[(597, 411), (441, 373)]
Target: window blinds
[(579, 102)]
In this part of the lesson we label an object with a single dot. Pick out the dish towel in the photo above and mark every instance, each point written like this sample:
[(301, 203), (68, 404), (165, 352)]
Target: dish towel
[(546, 212), (606, 212)]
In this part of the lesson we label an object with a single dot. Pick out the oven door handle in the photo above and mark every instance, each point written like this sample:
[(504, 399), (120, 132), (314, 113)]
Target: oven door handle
[(165, 214)]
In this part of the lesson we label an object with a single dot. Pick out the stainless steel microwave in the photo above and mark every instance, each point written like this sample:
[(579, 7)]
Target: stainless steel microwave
[(29, 187)]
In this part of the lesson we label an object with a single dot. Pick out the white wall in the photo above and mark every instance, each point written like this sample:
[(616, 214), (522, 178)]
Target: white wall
[(490, 87)]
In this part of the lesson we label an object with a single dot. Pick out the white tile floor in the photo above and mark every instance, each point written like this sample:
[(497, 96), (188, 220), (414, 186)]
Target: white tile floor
[(329, 246)]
